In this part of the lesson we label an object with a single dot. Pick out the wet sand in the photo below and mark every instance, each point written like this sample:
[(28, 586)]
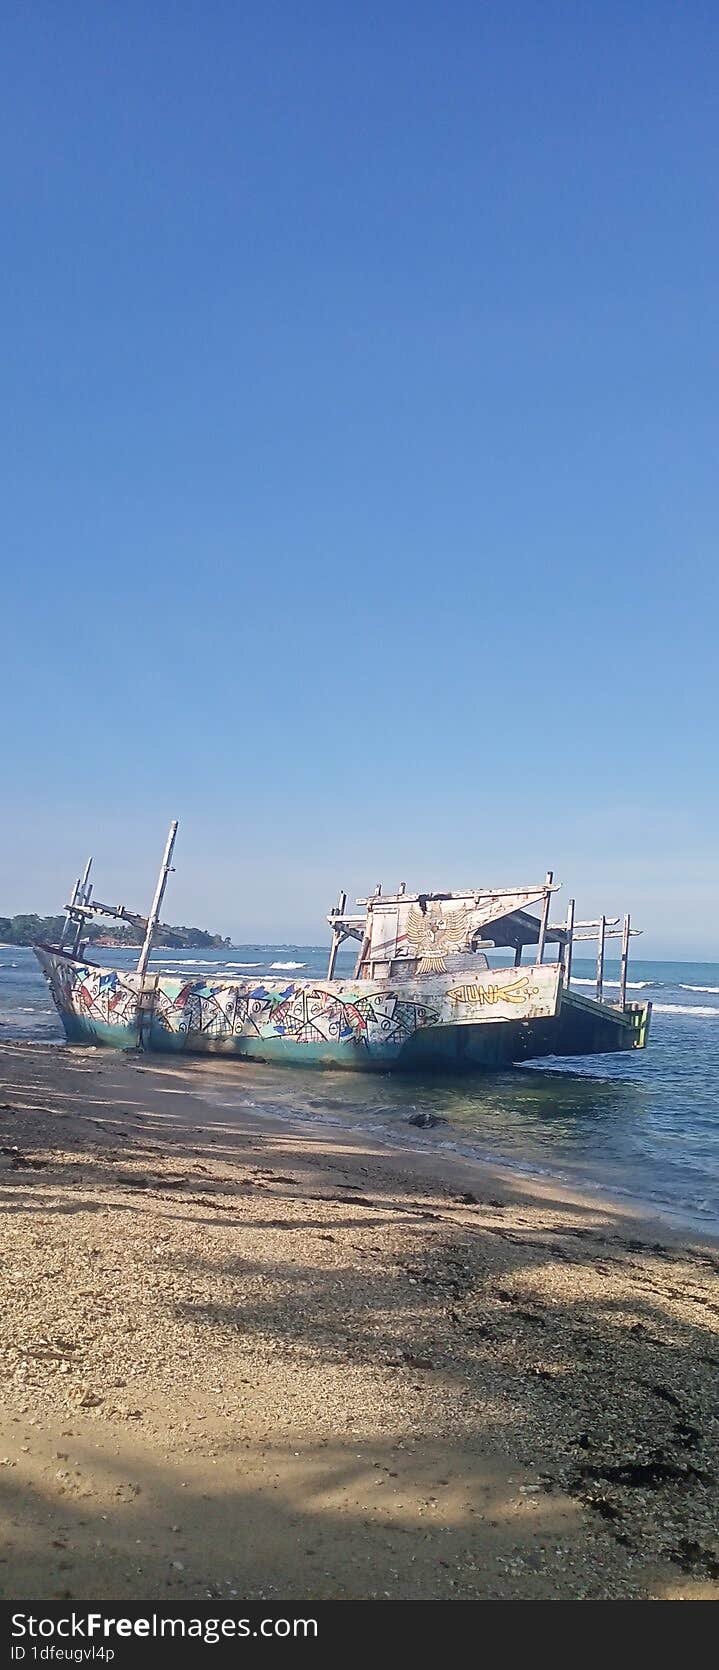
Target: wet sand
[(282, 1361)]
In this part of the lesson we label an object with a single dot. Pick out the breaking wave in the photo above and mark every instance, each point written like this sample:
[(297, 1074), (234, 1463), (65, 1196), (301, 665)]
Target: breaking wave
[(186, 962), (688, 1009), (287, 965), (699, 988)]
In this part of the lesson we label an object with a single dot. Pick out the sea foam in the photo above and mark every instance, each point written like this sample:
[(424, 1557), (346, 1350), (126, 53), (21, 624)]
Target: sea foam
[(688, 1009)]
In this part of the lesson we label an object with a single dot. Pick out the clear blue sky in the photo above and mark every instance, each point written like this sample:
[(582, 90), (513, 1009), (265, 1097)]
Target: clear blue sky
[(359, 454)]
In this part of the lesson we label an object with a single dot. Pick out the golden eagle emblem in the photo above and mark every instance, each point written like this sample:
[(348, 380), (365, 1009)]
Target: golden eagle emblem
[(433, 932)]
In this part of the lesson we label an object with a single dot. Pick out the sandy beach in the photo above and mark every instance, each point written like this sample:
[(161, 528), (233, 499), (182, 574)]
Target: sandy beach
[(286, 1361)]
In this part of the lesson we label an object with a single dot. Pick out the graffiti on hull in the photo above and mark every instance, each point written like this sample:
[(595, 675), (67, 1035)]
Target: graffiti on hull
[(299, 1013), (93, 994), (366, 1016), (205, 1010), (515, 991)]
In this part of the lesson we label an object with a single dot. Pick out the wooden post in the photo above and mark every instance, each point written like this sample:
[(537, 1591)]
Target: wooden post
[(80, 897), (600, 957), (154, 915), (624, 963), (364, 949), (544, 920), (336, 936), (68, 912), (518, 949), (567, 960)]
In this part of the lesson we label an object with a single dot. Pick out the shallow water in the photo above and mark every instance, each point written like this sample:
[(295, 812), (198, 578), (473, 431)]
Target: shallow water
[(643, 1126)]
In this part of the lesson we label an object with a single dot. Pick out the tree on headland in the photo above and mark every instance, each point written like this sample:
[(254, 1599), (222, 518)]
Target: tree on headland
[(46, 930), (28, 930)]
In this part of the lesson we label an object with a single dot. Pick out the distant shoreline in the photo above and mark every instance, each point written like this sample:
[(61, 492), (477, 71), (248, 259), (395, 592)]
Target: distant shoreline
[(126, 945)]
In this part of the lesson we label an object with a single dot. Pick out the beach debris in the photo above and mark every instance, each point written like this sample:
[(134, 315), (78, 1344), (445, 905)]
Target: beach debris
[(85, 1396), (602, 1504), (426, 1121)]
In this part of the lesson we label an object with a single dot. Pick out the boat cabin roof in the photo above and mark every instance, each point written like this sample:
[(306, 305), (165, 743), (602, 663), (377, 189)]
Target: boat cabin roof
[(401, 924)]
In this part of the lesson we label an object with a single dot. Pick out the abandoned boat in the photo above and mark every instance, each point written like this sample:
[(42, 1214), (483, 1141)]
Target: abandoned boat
[(423, 995)]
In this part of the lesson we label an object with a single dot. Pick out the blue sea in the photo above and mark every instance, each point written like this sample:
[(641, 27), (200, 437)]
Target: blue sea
[(644, 1127)]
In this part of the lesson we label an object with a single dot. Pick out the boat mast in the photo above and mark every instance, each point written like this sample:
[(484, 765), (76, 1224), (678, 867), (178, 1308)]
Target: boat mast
[(154, 915), (337, 935), (601, 943), (565, 955), (626, 931), (544, 919), (81, 896)]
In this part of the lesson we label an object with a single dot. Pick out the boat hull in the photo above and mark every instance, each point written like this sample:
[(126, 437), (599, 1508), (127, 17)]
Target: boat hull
[(435, 1022)]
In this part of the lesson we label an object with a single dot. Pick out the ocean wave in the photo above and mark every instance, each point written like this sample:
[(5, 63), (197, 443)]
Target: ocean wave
[(632, 985), (687, 1009), (287, 965), (174, 964), (699, 988), (188, 962), (218, 970)]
